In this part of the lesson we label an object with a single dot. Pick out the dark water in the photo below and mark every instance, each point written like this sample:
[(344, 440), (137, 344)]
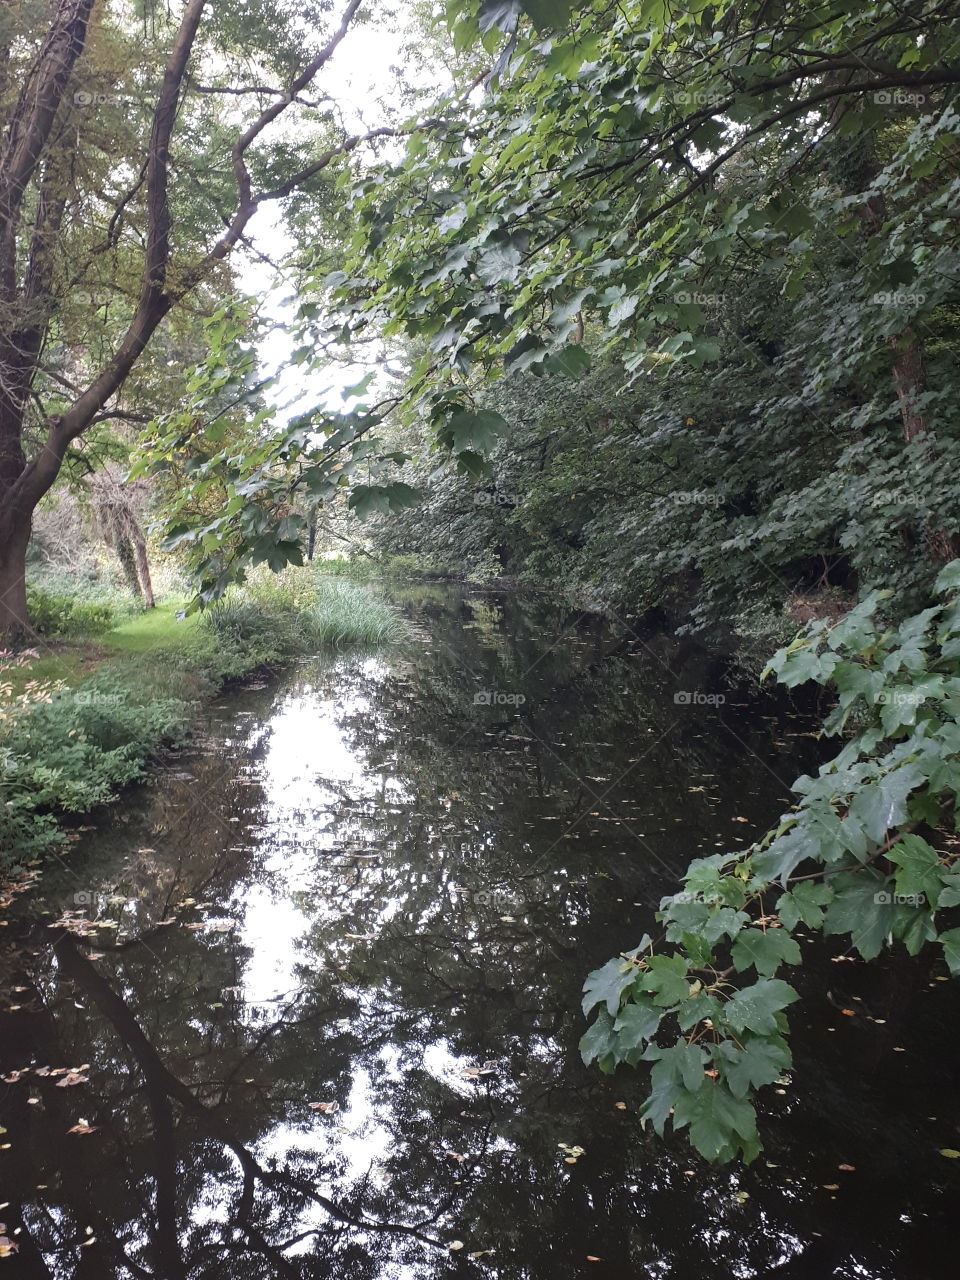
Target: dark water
[(361, 887)]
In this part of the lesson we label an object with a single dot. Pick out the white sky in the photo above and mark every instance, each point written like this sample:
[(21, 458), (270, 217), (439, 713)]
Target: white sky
[(360, 77)]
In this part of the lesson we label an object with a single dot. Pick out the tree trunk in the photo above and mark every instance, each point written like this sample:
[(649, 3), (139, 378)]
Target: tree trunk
[(14, 537), (312, 534), (128, 564), (143, 564)]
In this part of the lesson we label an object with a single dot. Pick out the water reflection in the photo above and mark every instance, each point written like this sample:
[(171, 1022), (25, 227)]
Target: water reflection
[(322, 1016)]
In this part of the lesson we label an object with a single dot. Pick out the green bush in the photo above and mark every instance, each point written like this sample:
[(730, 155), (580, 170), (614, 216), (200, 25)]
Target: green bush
[(73, 751), (68, 616)]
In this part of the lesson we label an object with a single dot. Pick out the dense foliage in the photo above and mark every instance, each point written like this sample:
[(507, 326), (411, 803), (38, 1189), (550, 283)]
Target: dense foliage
[(869, 852)]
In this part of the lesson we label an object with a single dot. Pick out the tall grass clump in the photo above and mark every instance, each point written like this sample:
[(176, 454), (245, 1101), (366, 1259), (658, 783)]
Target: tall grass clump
[(277, 616)]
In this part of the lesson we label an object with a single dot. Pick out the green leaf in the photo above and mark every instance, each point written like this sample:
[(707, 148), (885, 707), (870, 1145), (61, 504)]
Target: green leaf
[(571, 361), (475, 432), (549, 15), (950, 941), (719, 1123), (804, 902), (882, 807), (371, 499), (599, 1042), (766, 950), (753, 1008), (681, 1063), (917, 869), (759, 1062), (607, 984), (667, 978), (637, 1024), (863, 908)]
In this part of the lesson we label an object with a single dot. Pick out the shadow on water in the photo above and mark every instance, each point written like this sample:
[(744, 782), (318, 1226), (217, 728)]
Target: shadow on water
[(314, 990)]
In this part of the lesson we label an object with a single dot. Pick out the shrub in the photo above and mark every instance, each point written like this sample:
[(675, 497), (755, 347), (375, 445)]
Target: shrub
[(67, 616), (71, 750)]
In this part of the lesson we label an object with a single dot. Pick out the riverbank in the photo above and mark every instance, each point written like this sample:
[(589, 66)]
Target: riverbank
[(81, 718)]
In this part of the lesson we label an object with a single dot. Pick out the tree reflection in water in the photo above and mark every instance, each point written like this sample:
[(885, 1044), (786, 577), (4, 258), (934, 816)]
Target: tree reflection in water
[(384, 896)]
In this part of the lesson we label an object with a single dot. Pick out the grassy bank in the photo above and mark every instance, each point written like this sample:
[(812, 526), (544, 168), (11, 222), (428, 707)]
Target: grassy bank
[(82, 717)]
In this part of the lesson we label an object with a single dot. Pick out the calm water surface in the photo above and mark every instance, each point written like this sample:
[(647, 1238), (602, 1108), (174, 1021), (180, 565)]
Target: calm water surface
[(317, 987)]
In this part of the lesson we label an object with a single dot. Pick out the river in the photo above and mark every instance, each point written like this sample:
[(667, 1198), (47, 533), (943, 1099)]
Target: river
[(306, 1002)]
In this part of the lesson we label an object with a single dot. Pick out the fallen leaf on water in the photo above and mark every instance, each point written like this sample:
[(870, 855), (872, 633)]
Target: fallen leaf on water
[(621, 1106), (950, 1153), (326, 1107), (7, 1247), (847, 1168), (83, 1127), (455, 1244), (72, 1077), (592, 1258), (831, 1186)]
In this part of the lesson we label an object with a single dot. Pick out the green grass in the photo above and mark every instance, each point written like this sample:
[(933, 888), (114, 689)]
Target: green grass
[(154, 629)]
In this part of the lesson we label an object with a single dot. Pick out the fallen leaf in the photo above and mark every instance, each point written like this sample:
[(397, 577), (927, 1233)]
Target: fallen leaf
[(847, 1168), (950, 1153), (72, 1077), (831, 1186), (326, 1107)]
